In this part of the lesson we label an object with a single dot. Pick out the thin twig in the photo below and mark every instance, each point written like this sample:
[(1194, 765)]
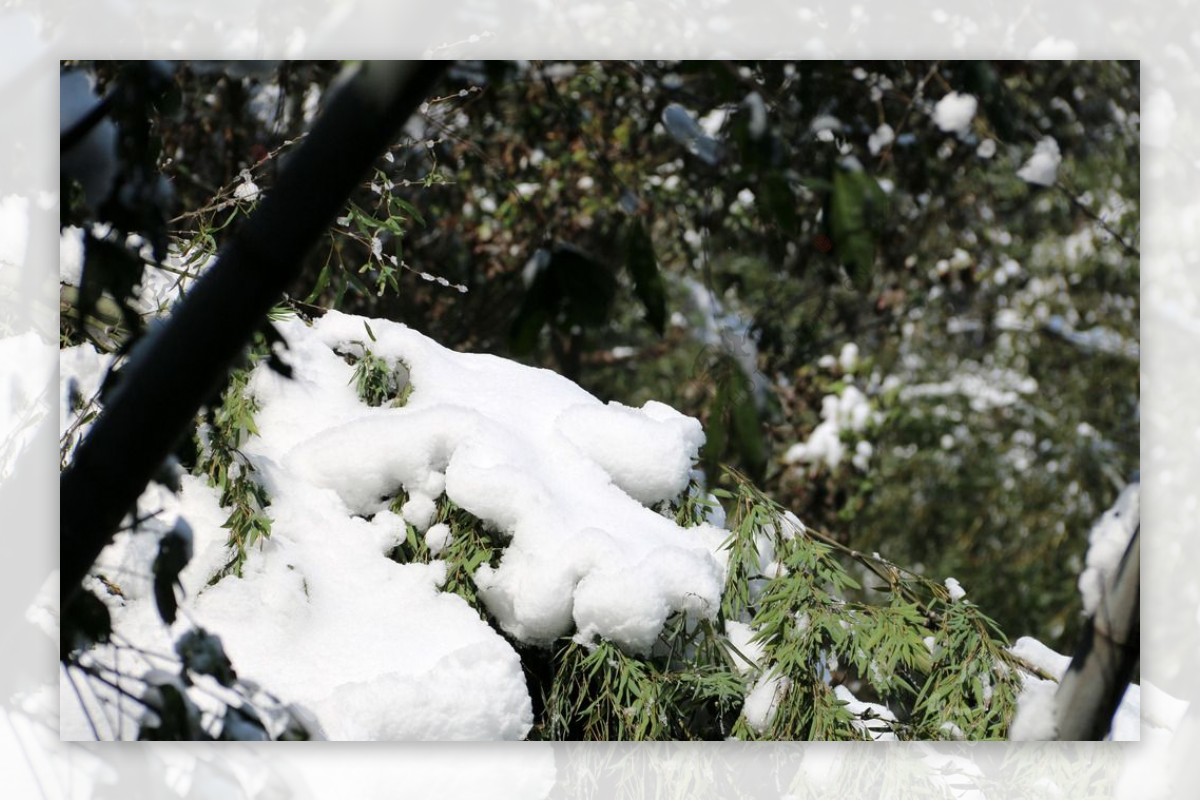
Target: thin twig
[(1087, 212), (886, 153), (217, 205)]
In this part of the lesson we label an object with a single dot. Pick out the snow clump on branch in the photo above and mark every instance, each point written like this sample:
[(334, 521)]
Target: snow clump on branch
[(568, 478)]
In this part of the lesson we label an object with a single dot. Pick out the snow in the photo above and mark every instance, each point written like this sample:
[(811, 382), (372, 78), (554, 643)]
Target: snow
[(437, 538), (758, 115), (713, 121), (1036, 710), (790, 525), (873, 719), (372, 647), (849, 412), (376, 649), (762, 702), (1035, 704), (954, 112), (247, 189), (984, 388), (881, 138), (1107, 543), (539, 459), (419, 510), (697, 137), (1145, 713), (746, 654), (848, 357), (863, 451), (825, 123), (158, 288), (1042, 167), (957, 593), (1099, 338)]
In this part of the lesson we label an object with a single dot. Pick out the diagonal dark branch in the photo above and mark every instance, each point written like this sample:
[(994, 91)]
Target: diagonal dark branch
[(175, 369)]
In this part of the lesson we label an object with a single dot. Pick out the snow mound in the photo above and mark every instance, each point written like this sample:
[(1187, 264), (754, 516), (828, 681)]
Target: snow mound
[(567, 477), (321, 616), (377, 650)]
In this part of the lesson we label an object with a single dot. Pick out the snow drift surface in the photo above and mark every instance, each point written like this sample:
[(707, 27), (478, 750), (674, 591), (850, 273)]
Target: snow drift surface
[(323, 617), (541, 460)]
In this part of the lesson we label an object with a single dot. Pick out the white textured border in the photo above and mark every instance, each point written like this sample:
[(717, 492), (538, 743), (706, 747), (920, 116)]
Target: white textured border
[(34, 35)]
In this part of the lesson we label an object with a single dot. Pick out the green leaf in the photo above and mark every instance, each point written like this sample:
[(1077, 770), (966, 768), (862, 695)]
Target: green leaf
[(408, 209), (647, 281), (856, 209), (746, 425), (980, 79), (588, 288), (779, 201), (522, 336), (715, 436), (569, 288), (322, 282)]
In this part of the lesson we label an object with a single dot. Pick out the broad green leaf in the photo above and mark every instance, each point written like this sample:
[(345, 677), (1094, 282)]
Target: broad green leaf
[(857, 208), (587, 287), (408, 209), (779, 201), (570, 288), (647, 281), (523, 335), (746, 425)]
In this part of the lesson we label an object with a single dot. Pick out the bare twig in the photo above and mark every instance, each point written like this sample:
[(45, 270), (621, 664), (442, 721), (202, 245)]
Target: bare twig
[(917, 94), (1084, 209)]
